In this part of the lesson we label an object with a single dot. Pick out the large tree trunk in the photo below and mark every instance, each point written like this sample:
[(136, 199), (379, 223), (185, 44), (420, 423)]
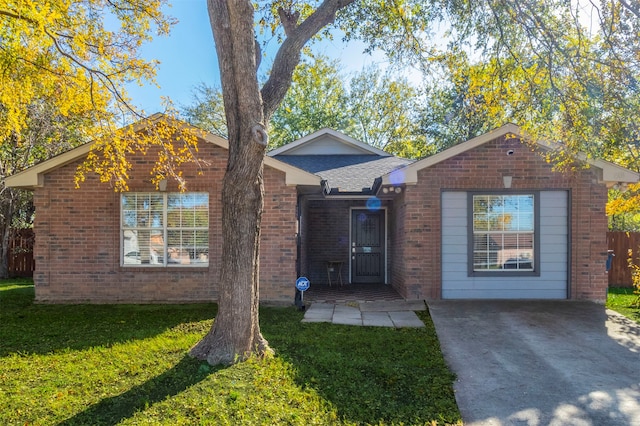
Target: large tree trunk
[(236, 331)]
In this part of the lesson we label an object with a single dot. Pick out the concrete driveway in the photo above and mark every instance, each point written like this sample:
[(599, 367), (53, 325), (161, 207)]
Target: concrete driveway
[(541, 363)]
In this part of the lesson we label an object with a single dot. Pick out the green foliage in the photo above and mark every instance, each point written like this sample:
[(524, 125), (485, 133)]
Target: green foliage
[(566, 72), (316, 99), (452, 113), (126, 364), (207, 110), (635, 278), (621, 300), (65, 68), (383, 107), (374, 107), (623, 209), (76, 54)]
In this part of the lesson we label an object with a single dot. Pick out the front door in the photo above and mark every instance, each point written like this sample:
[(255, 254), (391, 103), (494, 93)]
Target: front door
[(367, 246)]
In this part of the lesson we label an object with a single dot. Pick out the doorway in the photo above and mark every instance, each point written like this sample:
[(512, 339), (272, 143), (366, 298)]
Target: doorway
[(368, 254)]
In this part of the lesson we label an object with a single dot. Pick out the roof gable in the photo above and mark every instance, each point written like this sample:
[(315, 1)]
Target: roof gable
[(611, 173), (34, 176), (346, 174), (327, 142)]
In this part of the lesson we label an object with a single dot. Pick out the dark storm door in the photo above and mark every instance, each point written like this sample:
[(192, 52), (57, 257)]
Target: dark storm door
[(367, 246)]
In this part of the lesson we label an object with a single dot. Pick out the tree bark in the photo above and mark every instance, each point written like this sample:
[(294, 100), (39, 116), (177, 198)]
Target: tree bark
[(235, 333), (6, 214)]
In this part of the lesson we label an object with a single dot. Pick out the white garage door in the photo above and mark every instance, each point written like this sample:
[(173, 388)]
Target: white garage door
[(550, 283)]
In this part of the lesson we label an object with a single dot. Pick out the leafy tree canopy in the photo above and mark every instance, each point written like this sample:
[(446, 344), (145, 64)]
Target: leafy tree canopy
[(77, 54), (562, 71), (375, 107)]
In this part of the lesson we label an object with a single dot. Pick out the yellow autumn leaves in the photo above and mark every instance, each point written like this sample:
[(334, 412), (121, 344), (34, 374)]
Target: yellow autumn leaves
[(77, 56)]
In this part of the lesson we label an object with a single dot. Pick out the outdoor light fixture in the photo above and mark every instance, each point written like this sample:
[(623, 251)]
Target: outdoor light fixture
[(162, 185), (391, 189), (506, 180)]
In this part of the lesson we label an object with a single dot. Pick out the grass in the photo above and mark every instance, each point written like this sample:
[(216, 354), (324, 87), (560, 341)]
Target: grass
[(127, 364), (622, 299)]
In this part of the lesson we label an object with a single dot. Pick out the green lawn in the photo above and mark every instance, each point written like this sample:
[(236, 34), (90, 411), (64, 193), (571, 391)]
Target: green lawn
[(621, 299), (127, 364)]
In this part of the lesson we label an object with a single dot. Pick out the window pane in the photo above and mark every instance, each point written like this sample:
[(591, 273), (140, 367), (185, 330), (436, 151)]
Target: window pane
[(186, 228), (525, 222), (201, 210), (143, 247), (188, 246), (503, 227), (480, 222), (142, 210), (202, 247), (173, 210), (175, 252), (129, 219), (188, 210), (480, 204), (485, 252)]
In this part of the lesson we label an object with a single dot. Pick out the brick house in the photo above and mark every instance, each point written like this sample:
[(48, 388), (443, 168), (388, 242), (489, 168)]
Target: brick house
[(488, 218)]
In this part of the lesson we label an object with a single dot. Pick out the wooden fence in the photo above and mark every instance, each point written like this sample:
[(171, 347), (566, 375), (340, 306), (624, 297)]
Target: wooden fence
[(621, 242), (20, 254)]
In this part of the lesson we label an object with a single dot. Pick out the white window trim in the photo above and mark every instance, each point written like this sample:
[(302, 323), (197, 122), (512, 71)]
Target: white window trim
[(165, 229), (536, 237)]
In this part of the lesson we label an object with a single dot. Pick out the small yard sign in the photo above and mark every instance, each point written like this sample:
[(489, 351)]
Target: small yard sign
[(302, 284)]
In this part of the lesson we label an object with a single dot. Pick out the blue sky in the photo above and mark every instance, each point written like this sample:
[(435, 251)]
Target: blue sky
[(188, 57)]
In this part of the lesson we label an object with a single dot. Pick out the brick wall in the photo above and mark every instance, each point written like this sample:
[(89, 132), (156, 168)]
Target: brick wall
[(77, 247), (417, 215), (327, 236), (397, 244)]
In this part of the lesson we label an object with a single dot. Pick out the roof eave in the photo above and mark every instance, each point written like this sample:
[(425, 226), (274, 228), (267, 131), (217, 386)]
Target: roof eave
[(33, 177), (612, 174), (293, 175), (409, 175)]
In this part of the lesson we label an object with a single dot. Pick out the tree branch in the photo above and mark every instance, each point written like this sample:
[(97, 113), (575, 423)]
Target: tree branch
[(288, 56), (93, 72), (630, 8), (289, 20)]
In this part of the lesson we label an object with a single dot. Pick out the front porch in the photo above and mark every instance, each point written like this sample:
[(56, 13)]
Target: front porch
[(351, 293)]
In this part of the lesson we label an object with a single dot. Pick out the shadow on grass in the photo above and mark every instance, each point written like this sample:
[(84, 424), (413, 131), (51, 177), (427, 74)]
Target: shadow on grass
[(372, 375), (42, 329), (111, 411)]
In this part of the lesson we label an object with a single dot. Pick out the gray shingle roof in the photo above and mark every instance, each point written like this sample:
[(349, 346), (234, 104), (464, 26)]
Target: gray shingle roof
[(346, 173)]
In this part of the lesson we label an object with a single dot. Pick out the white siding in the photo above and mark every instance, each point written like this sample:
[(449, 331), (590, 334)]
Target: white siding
[(328, 145), (552, 282)]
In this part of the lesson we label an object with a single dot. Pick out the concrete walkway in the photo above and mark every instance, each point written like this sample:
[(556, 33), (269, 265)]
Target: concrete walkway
[(376, 314)]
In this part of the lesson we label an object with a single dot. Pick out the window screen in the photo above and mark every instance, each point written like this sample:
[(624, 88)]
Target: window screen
[(165, 229), (503, 232)]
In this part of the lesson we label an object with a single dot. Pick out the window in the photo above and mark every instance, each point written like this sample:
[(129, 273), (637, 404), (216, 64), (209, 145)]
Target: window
[(504, 233), (165, 229)]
